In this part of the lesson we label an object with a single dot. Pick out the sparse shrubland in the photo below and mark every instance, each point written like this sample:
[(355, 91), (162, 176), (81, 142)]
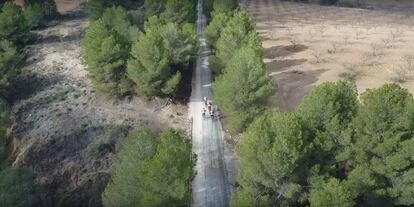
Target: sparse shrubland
[(152, 171)]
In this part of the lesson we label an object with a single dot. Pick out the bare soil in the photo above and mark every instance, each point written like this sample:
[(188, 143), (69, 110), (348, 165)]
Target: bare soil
[(65, 131), (308, 44)]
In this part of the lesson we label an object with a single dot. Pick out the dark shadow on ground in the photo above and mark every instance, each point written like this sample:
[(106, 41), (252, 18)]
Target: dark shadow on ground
[(283, 51), (292, 86), (281, 65)]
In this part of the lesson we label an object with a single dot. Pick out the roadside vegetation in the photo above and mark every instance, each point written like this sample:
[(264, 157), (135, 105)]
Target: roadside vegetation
[(242, 85), (144, 49), (152, 171), (332, 151)]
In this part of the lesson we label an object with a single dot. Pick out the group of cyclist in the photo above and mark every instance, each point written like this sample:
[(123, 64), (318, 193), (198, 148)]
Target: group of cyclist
[(209, 105)]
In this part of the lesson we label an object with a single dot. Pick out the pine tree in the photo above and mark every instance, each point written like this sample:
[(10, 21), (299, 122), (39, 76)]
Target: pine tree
[(243, 89)]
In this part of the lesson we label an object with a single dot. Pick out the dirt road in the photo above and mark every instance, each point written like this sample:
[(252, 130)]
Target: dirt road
[(211, 185)]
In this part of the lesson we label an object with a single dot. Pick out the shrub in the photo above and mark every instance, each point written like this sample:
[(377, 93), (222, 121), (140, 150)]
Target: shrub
[(13, 25), (9, 61), (35, 15)]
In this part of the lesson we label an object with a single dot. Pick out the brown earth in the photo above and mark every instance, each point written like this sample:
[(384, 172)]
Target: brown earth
[(65, 131), (308, 44)]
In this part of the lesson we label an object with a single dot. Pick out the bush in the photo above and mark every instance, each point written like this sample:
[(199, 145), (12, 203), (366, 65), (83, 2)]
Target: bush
[(35, 15), (48, 6), (13, 25), (9, 61), (18, 189), (151, 171), (243, 89)]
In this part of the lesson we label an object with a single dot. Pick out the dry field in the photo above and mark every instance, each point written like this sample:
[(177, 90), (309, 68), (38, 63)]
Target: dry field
[(307, 44)]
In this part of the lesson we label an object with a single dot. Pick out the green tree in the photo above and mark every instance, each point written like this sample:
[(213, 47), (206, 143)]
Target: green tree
[(48, 6), (214, 29), (106, 48), (166, 177), (243, 89), (13, 25), (327, 112), (123, 190), (225, 5), (96, 8), (180, 11), (331, 193), (382, 147), (158, 55), (151, 171), (272, 153), (154, 7), (34, 14), (18, 188), (239, 32), (9, 61)]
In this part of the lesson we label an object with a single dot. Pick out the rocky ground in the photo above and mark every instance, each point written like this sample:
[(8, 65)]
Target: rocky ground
[(65, 131)]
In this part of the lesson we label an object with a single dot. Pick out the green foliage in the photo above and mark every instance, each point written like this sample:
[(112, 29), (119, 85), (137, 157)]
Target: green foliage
[(331, 193), (208, 7), (34, 14), (9, 61), (243, 89), (48, 6), (382, 147), (123, 190), (167, 176), (180, 11), (154, 7), (213, 30), (13, 25), (239, 32), (106, 48), (156, 54), (225, 5), (18, 188), (350, 153), (151, 171), (271, 155), (96, 8)]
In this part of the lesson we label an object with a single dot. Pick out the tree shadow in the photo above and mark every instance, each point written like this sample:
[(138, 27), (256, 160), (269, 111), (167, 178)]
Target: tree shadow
[(283, 51), (281, 65)]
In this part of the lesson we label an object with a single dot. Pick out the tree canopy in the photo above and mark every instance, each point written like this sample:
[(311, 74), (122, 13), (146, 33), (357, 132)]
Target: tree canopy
[(151, 171), (158, 54), (9, 61), (332, 151), (243, 89)]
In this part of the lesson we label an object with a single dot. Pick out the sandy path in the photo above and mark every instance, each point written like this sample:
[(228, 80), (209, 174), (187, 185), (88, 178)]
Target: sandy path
[(211, 186)]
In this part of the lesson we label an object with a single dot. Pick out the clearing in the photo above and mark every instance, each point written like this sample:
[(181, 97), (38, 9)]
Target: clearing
[(308, 44)]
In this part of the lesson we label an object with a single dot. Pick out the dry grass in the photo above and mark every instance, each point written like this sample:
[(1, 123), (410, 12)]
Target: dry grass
[(371, 44)]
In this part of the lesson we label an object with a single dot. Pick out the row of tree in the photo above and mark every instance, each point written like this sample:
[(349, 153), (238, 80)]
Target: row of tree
[(145, 50), (332, 151), (242, 84), (152, 171)]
